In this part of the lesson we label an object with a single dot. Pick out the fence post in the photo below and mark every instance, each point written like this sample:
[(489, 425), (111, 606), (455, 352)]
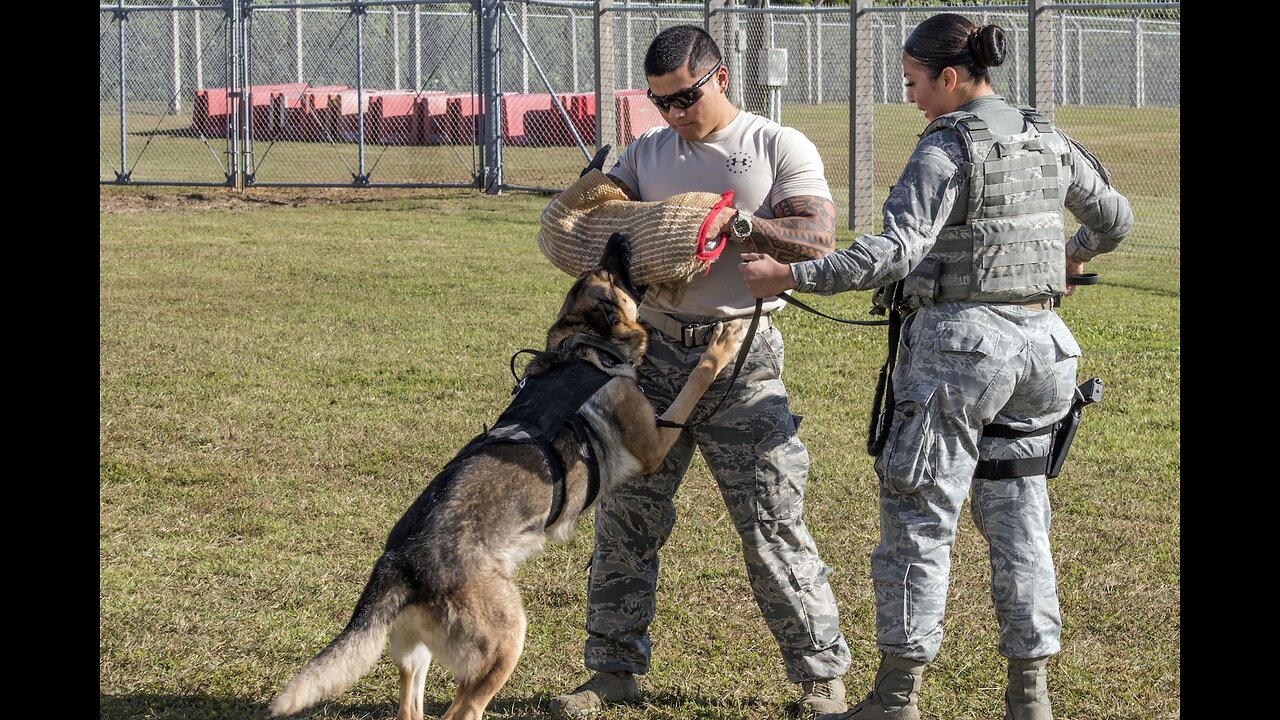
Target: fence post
[(606, 80), (861, 116), (524, 57), (175, 103), (1139, 61), (122, 175), (1040, 57), (395, 46), (235, 90), (297, 42), (717, 24), (723, 28), (490, 136), (361, 178), (417, 48)]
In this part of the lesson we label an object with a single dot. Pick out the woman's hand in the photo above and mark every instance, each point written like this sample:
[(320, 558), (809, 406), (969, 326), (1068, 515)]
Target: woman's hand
[(1073, 268)]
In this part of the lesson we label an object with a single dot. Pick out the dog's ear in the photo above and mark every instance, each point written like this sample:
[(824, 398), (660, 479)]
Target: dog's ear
[(617, 261), (601, 318)]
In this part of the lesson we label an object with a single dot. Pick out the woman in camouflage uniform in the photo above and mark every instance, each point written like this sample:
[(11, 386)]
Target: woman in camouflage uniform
[(974, 230)]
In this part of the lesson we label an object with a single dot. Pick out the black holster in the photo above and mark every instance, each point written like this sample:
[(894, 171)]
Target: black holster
[(1063, 432), (1088, 393)]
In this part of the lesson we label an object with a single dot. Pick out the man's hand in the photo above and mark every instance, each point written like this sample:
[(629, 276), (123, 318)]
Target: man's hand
[(765, 276), (720, 224)]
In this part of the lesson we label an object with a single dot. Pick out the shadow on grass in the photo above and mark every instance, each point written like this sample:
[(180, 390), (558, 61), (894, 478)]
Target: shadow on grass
[(144, 706)]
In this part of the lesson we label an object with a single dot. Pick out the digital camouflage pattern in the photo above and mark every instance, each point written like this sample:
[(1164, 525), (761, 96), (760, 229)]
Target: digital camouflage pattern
[(962, 366), (761, 467)]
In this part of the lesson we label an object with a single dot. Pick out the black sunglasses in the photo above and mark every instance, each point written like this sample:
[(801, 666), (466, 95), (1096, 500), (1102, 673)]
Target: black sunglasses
[(685, 98)]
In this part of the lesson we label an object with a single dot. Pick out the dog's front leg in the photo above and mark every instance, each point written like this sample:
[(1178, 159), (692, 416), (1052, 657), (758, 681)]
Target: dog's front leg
[(726, 339)]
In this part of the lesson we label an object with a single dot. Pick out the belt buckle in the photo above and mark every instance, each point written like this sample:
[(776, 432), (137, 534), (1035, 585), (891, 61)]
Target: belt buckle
[(689, 335)]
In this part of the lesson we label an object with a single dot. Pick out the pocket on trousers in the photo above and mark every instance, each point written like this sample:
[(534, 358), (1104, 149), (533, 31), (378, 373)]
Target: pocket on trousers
[(819, 607), (908, 462), (1065, 343)]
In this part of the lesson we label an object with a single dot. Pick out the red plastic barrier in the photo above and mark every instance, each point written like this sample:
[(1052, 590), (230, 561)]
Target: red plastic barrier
[(515, 108), (261, 115), (635, 115), (461, 118), (582, 110), (392, 118), (295, 116), (431, 109), (545, 128), (211, 108), (548, 127), (343, 114)]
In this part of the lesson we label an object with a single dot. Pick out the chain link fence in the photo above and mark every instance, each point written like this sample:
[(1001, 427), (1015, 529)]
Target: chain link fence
[(396, 93)]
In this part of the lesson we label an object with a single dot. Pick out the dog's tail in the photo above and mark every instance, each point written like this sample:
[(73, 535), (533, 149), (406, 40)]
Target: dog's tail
[(353, 652)]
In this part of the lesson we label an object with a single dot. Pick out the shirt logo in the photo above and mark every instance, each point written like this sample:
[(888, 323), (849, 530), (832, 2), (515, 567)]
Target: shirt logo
[(738, 163)]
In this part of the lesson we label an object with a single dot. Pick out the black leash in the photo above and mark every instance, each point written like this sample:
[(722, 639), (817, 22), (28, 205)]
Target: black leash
[(882, 406), (746, 347), (803, 306)]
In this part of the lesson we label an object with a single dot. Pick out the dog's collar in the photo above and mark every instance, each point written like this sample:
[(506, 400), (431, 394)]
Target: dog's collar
[(612, 355)]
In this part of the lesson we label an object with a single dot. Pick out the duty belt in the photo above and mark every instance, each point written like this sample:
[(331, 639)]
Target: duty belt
[(1043, 304), (688, 334)]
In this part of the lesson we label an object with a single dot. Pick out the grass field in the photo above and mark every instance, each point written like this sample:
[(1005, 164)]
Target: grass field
[(281, 371)]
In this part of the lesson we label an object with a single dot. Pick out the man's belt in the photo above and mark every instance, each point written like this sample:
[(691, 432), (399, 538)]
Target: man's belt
[(687, 334)]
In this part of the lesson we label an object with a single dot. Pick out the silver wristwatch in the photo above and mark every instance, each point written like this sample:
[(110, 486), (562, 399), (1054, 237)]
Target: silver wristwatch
[(741, 225)]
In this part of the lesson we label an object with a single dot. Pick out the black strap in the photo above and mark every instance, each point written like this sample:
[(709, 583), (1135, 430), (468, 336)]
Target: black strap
[(585, 435), (557, 479), (1007, 433), (737, 367), (882, 406), (1016, 468)]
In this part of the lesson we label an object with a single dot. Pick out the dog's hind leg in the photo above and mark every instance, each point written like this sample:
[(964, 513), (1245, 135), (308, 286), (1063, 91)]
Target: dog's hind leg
[(411, 656), (725, 342), (495, 633)]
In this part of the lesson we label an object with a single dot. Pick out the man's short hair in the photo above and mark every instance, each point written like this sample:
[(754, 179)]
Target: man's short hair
[(687, 46)]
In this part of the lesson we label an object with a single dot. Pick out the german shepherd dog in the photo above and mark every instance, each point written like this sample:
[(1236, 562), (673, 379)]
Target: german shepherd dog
[(444, 586)]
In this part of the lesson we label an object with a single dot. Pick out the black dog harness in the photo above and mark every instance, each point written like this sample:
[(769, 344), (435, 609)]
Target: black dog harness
[(547, 401)]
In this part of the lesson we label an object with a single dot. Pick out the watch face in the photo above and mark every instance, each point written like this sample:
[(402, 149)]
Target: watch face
[(741, 227)]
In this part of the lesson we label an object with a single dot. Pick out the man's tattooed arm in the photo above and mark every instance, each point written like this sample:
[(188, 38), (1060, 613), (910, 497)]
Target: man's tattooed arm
[(803, 228)]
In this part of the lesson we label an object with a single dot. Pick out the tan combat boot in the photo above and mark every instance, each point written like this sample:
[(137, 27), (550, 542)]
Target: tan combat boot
[(820, 697), (1028, 695), (604, 688), (897, 688)]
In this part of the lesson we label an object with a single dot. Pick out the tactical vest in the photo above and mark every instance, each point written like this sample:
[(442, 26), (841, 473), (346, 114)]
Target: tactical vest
[(1011, 246)]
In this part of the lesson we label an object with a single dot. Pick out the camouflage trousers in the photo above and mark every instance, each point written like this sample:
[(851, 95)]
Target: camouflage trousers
[(962, 366), (761, 468)]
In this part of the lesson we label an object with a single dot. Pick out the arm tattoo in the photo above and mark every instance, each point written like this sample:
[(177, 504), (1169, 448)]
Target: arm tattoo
[(803, 228)]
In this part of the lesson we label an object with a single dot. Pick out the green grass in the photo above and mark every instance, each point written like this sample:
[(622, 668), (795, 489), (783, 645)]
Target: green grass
[(278, 383)]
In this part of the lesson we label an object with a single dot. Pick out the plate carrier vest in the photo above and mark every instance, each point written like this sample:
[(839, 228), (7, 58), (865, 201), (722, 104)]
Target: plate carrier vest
[(1011, 247)]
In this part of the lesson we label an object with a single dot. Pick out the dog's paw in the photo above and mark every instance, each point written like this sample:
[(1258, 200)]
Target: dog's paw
[(726, 340)]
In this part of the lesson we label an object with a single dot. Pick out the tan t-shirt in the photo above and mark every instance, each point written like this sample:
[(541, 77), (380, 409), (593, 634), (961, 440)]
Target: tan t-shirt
[(760, 160)]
